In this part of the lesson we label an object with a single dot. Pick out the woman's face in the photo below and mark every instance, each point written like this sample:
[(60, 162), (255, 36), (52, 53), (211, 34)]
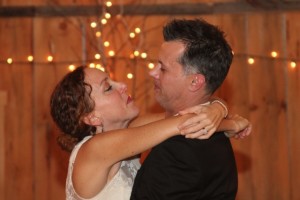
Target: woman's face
[(113, 105)]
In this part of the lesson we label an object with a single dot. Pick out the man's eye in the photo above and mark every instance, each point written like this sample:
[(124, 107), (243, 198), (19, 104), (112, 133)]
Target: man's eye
[(108, 88)]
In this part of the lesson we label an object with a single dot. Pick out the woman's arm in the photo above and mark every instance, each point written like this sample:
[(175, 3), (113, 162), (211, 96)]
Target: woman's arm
[(239, 128), (233, 126), (146, 119), (211, 115), (120, 144)]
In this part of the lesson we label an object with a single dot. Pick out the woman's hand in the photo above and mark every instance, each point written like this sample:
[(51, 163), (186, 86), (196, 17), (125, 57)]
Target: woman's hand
[(241, 128), (204, 124)]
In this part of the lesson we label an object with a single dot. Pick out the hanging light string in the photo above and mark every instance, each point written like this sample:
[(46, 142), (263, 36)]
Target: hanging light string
[(102, 60), (251, 59)]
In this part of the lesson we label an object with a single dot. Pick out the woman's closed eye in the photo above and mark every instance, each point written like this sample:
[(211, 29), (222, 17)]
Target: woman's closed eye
[(108, 88)]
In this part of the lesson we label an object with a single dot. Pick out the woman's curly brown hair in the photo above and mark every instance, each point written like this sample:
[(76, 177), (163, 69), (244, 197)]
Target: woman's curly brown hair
[(69, 103)]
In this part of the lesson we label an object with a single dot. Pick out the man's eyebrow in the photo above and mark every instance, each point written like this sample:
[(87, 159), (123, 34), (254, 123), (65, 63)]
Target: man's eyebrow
[(160, 62)]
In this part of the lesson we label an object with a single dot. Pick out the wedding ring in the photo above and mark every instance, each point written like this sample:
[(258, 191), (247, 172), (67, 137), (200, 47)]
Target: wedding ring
[(204, 131)]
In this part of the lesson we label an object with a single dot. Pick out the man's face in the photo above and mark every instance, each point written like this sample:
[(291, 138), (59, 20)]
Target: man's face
[(170, 82)]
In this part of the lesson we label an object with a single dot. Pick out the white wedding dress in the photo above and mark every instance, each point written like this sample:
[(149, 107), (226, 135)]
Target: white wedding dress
[(119, 187)]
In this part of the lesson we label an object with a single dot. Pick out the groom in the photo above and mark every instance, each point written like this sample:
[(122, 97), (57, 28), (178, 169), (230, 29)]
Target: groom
[(193, 62)]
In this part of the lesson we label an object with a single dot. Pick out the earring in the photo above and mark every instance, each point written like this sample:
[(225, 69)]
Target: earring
[(95, 118)]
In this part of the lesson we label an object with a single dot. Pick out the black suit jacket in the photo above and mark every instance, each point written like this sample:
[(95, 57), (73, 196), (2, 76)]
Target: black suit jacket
[(188, 169)]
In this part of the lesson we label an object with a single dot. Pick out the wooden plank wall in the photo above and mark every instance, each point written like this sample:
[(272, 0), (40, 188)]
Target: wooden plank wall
[(292, 101), (267, 92), (3, 101)]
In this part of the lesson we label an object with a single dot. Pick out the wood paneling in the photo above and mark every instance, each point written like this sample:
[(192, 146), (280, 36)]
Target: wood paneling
[(3, 102), (32, 166), (16, 80), (292, 104)]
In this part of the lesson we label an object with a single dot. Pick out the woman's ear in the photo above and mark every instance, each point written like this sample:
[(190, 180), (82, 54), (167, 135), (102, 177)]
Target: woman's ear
[(93, 120), (197, 81)]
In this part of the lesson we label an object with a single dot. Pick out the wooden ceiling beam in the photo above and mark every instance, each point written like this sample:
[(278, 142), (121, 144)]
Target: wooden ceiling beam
[(142, 9), (271, 4)]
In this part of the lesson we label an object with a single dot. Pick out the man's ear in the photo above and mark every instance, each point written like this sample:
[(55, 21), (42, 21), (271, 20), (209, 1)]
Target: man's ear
[(197, 82), (93, 120)]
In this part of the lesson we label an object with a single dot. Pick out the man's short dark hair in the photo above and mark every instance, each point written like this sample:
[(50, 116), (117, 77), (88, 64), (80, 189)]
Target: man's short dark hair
[(206, 50)]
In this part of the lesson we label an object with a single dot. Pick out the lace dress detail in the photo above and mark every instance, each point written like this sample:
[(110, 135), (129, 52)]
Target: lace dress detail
[(119, 187)]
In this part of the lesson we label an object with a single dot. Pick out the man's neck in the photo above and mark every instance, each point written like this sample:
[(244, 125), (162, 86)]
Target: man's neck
[(187, 104)]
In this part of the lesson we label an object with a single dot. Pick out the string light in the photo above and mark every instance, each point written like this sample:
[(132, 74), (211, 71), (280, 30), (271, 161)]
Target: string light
[(107, 15), (98, 34), (136, 53), (137, 30), (106, 44), (30, 58), (111, 53), (151, 66), (92, 65), (131, 35), (274, 54), (71, 67), (251, 61), (131, 56), (97, 56), (105, 18), (103, 21), (99, 66), (50, 58), (9, 60), (108, 4), (93, 24), (129, 75), (293, 64), (144, 55)]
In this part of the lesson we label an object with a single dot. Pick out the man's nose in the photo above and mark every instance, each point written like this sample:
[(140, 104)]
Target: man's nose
[(154, 72)]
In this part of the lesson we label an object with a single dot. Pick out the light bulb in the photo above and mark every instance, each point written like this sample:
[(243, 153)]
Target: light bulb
[(104, 21), (250, 61), (136, 53), (131, 35), (9, 60), (151, 65), (137, 30), (92, 65), (93, 24), (129, 75), (111, 53), (144, 55), (30, 58), (106, 44), (107, 15), (98, 34), (97, 56), (50, 58), (108, 4), (293, 64), (274, 54), (71, 67)]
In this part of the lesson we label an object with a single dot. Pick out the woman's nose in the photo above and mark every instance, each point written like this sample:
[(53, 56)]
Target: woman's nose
[(122, 87)]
